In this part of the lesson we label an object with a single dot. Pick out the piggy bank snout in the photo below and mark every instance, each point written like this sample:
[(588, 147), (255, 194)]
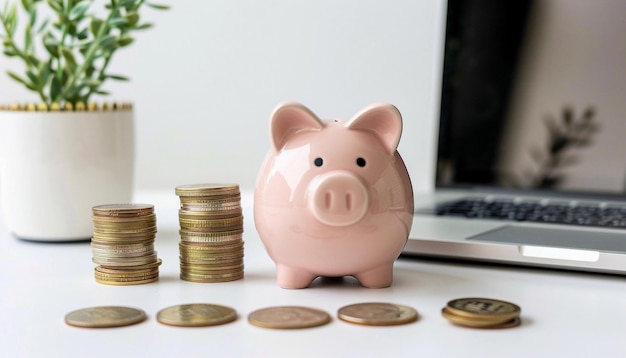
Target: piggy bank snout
[(338, 198)]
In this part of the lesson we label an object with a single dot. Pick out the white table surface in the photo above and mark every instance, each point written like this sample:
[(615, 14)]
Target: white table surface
[(565, 314)]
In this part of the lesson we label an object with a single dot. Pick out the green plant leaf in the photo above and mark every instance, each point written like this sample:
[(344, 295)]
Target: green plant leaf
[(43, 26), (16, 77), (28, 37), (158, 7), (11, 20), (51, 44), (95, 25), (107, 40), (70, 61), (83, 34), (32, 77), (55, 88), (132, 17), (27, 4), (144, 26), (44, 75), (31, 86), (92, 82), (79, 10), (32, 60), (32, 16), (117, 21), (10, 52), (117, 77), (125, 41), (55, 5)]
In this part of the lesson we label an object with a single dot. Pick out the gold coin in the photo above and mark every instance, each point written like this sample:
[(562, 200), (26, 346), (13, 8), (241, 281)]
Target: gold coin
[(211, 201), (197, 248), (122, 275), (210, 264), (288, 317), (117, 220), (126, 273), (210, 259), (211, 208), (209, 214), (132, 250), (117, 238), (118, 231), (224, 224), (210, 234), (377, 314), (474, 323), (225, 239), (483, 308), (105, 272), (126, 282), (209, 189), (125, 261), (211, 254), (125, 227), (123, 210), (105, 317), (208, 276), (196, 315), (150, 266), (212, 280)]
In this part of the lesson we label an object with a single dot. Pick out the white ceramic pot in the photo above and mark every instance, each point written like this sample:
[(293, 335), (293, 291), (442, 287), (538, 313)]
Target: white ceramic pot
[(55, 166)]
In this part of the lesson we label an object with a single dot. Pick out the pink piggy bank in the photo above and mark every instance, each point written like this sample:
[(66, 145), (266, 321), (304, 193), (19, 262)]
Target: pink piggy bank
[(334, 198)]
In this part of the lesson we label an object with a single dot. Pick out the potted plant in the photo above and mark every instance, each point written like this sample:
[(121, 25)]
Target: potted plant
[(62, 154)]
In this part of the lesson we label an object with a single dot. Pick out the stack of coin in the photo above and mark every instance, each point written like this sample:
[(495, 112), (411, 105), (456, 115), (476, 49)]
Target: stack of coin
[(123, 244), (482, 313), (211, 232)]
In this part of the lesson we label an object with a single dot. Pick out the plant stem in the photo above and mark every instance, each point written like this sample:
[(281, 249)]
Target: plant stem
[(88, 58), (59, 73), (100, 75)]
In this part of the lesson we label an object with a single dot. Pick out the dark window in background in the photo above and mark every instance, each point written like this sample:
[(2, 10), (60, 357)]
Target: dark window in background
[(483, 40), (533, 96)]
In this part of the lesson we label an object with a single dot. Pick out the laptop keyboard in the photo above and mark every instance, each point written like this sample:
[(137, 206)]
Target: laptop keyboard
[(594, 215)]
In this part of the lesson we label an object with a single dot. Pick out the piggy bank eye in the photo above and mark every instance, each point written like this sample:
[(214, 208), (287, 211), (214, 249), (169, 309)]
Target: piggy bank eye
[(360, 162), (318, 162)]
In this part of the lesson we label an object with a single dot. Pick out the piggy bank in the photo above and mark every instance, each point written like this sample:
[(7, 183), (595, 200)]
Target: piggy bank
[(333, 198)]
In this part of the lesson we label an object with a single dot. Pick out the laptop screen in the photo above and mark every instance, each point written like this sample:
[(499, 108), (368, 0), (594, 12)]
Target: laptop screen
[(534, 96)]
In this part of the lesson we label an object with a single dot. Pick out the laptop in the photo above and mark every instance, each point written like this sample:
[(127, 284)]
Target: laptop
[(531, 156)]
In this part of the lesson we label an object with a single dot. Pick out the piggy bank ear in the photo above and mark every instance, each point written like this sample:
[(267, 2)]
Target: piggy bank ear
[(383, 120), (288, 119)]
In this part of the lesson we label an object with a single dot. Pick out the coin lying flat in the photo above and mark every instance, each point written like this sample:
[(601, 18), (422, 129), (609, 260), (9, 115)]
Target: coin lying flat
[(196, 315), (377, 314), (482, 313), (288, 317), (105, 317), (483, 308)]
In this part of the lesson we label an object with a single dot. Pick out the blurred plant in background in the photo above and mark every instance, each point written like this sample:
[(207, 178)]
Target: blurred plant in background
[(78, 45), (565, 135)]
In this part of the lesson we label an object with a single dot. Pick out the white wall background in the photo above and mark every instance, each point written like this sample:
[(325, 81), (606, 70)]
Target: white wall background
[(206, 78)]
